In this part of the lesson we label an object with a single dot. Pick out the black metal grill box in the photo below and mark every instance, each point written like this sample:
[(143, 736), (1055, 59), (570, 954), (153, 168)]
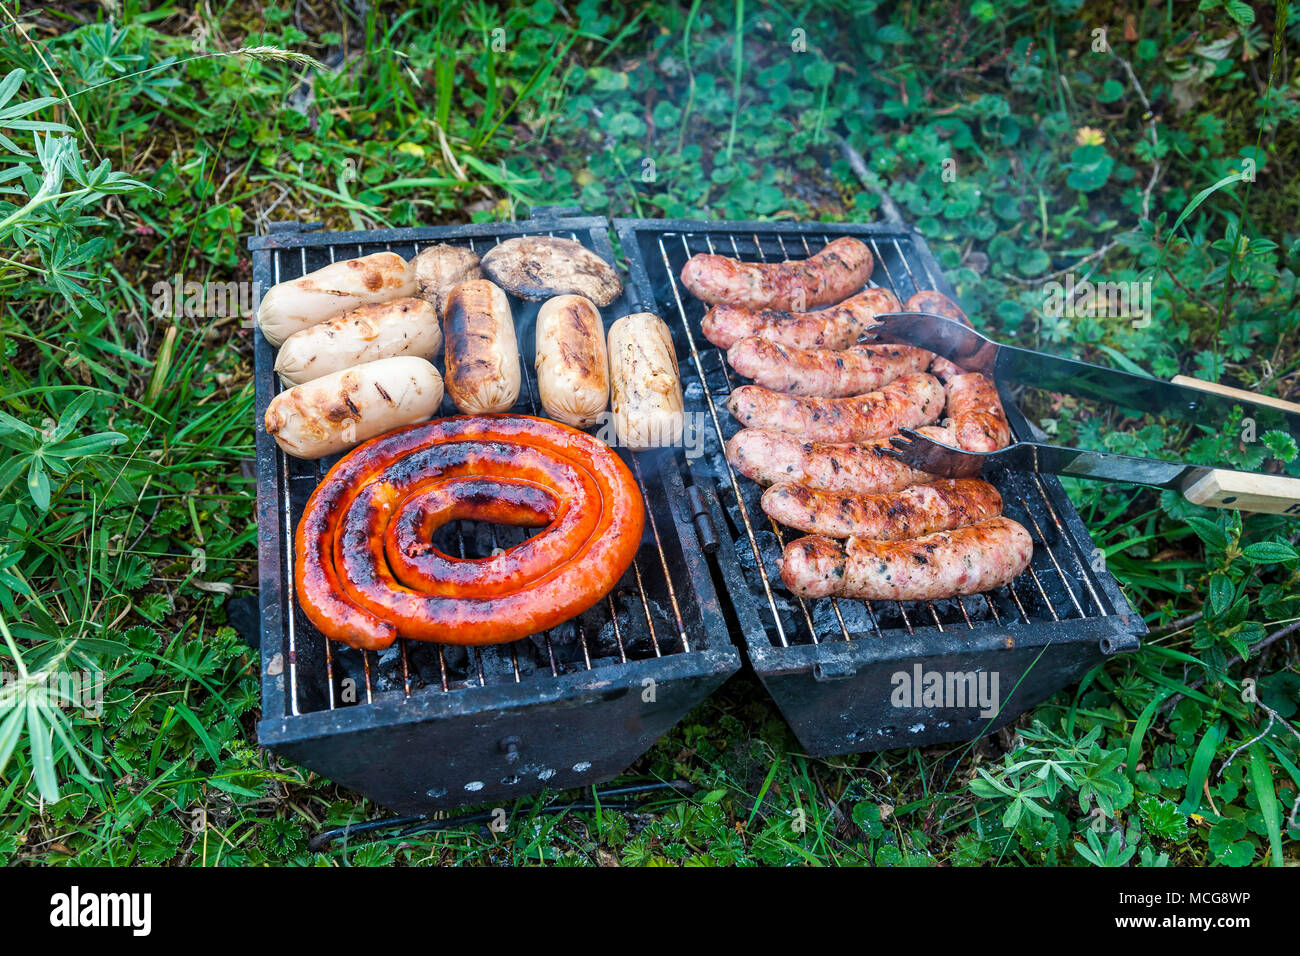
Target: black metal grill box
[(422, 727)]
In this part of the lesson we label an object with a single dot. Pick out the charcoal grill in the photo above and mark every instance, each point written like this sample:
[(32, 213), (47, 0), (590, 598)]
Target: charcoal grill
[(831, 664), (420, 727)]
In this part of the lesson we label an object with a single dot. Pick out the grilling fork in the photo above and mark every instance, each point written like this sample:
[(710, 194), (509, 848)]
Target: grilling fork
[(1201, 402)]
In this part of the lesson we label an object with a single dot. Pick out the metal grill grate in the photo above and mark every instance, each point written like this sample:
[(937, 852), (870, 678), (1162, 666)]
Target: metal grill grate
[(647, 615), (1059, 585)]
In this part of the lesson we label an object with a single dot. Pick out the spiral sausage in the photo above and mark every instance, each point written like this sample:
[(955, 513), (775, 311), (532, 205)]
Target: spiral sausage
[(366, 573)]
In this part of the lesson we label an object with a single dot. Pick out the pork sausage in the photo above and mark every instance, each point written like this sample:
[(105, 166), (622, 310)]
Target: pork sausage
[(835, 328), (770, 457), (969, 560), (829, 373), (975, 414), (909, 401), (942, 505), (832, 275)]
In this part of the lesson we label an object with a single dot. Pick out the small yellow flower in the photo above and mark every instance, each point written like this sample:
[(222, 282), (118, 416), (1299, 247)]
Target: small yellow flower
[(1087, 136), (411, 149)]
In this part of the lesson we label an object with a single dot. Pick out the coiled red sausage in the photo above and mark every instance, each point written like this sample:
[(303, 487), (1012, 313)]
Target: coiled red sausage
[(365, 573)]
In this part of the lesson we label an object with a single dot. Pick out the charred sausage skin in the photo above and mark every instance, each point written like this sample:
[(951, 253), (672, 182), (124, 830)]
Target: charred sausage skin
[(342, 574)]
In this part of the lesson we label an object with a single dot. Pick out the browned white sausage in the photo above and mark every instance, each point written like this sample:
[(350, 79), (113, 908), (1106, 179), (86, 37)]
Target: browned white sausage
[(329, 292), (483, 372), (572, 364)]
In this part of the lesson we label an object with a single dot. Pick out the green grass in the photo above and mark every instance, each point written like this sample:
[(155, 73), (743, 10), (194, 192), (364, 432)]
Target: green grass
[(153, 146)]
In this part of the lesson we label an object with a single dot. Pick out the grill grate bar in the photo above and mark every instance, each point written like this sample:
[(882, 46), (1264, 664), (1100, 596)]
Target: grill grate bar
[(1078, 561), (663, 560)]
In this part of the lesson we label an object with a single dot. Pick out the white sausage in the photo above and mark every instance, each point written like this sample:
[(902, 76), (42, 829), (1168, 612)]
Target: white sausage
[(572, 366), (483, 373), (380, 330), (645, 383), (329, 292), (335, 412)]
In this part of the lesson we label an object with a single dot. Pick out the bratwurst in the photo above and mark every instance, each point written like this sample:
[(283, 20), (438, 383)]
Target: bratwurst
[(770, 457), (975, 414), (942, 505), (835, 328), (912, 400), (968, 560), (830, 373), (840, 269)]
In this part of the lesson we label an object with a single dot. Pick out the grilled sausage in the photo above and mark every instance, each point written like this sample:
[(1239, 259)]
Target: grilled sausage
[(572, 365), (483, 372), (645, 383), (909, 401), (968, 560), (829, 373), (770, 457), (835, 328), (380, 502), (839, 270), (380, 330), (329, 292), (441, 268), (975, 414), (539, 267), (339, 410), (928, 300), (942, 505)]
